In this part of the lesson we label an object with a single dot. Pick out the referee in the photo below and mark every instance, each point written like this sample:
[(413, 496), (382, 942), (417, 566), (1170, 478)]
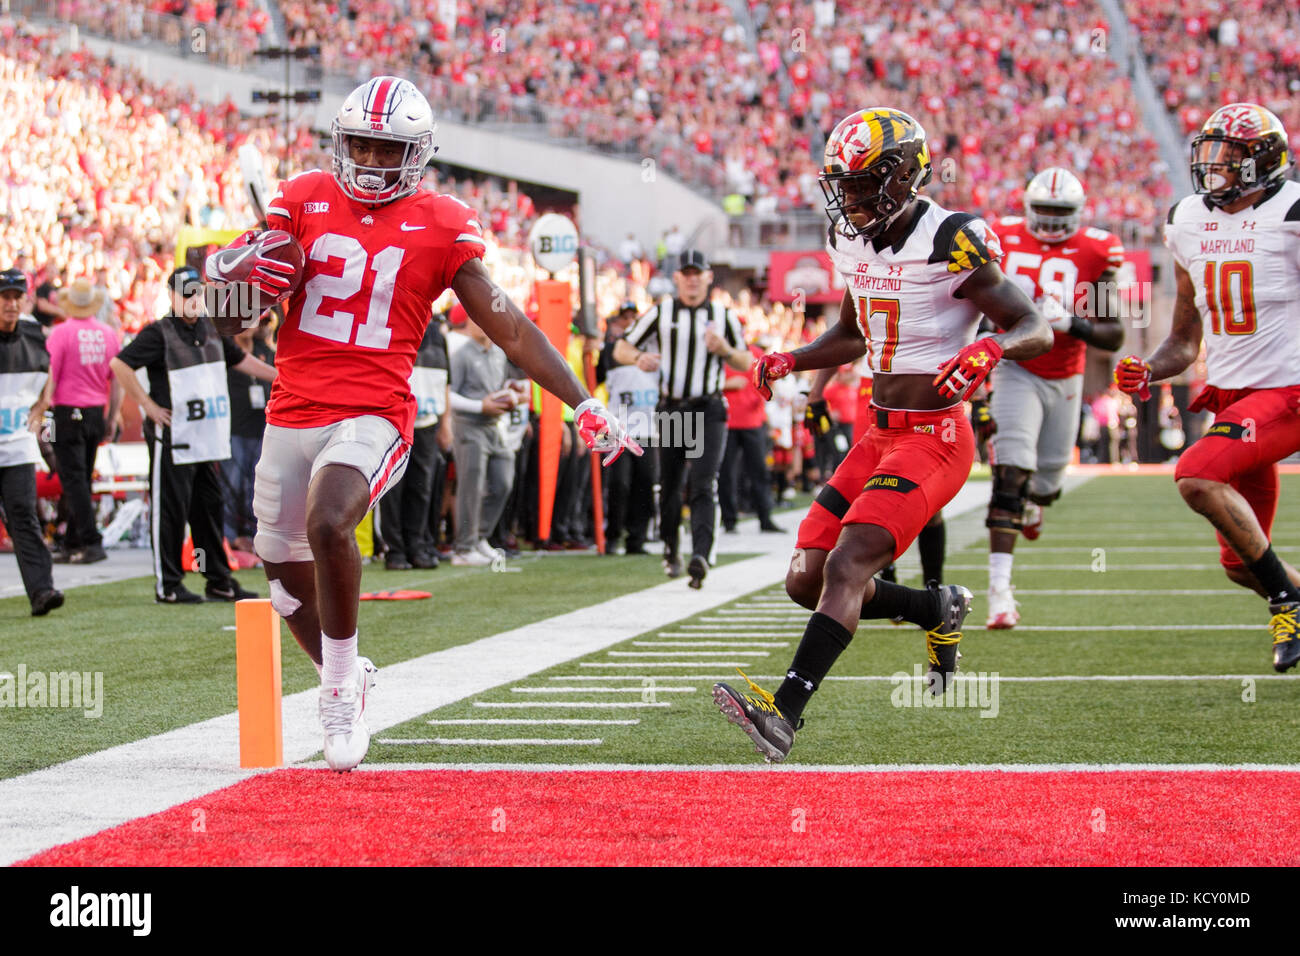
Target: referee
[(688, 339)]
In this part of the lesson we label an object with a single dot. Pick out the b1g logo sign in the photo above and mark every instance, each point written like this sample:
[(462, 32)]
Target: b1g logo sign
[(197, 409), (553, 241)]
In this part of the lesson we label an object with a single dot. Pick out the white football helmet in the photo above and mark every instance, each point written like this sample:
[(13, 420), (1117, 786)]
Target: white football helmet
[(390, 108), (1059, 196)]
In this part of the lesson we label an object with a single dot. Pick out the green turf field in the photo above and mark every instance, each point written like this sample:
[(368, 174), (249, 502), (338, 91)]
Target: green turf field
[(165, 667), (1121, 534)]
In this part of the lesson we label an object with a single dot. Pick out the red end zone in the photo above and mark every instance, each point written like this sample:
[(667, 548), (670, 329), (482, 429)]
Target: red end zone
[(968, 818)]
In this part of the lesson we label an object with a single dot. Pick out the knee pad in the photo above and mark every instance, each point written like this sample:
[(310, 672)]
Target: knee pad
[(278, 548), (1010, 488)]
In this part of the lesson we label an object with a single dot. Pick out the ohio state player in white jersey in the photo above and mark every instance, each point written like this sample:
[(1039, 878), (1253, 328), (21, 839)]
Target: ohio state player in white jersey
[(917, 277), (1071, 274), (1237, 249), (379, 251)]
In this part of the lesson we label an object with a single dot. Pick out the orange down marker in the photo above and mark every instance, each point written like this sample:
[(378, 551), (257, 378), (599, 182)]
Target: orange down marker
[(257, 668)]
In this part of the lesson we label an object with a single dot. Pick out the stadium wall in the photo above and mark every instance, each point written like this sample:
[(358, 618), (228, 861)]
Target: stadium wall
[(616, 196)]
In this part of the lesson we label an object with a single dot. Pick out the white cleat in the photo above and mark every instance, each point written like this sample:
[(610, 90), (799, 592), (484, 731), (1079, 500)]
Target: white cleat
[(1002, 610), (1031, 520), (343, 718)]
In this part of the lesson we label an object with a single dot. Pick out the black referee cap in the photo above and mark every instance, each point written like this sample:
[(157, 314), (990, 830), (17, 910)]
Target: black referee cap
[(692, 259)]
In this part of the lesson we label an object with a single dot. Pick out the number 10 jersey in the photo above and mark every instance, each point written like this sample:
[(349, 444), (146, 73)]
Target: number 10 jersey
[(353, 328)]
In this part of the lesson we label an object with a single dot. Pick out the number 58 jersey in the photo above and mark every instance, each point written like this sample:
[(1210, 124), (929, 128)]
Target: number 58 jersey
[(1245, 268), (353, 328), (905, 294)]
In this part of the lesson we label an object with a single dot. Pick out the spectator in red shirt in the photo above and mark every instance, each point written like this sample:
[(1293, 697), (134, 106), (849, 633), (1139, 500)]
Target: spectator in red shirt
[(746, 453)]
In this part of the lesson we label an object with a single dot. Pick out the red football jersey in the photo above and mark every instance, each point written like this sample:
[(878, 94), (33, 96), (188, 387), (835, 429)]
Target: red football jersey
[(1075, 264), (352, 329)]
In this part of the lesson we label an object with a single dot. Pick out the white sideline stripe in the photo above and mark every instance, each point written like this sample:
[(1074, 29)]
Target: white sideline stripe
[(1110, 567), (665, 663), (710, 644), (604, 704), (1105, 592), (532, 722), (97, 791), (835, 768), (491, 742), (737, 631), (1127, 549), (597, 690), (685, 653), (1065, 678)]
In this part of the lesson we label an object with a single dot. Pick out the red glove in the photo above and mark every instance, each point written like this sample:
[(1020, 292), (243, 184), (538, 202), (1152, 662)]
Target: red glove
[(245, 260), (769, 368), (1133, 376), (602, 432), (967, 370)]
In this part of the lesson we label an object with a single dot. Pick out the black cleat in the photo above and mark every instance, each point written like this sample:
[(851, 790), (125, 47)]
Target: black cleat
[(672, 565), (181, 595), (396, 562), (759, 717), (941, 642), (46, 601), (424, 560), (233, 591), (698, 569), (1286, 635)]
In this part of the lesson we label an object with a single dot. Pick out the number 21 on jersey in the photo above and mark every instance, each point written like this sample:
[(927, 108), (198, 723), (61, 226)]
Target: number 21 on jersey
[(867, 307), (337, 326)]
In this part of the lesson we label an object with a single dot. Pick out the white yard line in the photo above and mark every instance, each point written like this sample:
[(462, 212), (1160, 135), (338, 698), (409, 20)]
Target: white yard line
[(598, 690), (490, 742), (573, 704), (531, 722)]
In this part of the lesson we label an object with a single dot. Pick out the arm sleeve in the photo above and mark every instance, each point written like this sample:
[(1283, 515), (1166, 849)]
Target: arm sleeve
[(460, 403), (234, 354), (145, 349)]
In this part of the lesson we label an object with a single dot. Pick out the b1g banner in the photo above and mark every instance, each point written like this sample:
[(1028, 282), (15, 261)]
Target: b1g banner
[(803, 276)]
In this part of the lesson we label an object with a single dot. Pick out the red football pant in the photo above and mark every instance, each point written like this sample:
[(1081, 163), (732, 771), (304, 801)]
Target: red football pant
[(894, 478), (1253, 430)]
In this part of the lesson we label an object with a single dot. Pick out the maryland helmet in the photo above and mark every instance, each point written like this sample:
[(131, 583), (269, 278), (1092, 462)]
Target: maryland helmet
[(387, 108), (1054, 205), (876, 159), (1241, 149)]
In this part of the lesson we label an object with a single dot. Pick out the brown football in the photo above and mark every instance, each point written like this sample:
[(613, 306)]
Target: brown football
[(239, 303)]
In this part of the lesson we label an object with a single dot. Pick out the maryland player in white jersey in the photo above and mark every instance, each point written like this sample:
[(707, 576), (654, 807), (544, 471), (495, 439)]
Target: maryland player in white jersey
[(379, 251), (1071, 274), (1236, 245), (917, 278)]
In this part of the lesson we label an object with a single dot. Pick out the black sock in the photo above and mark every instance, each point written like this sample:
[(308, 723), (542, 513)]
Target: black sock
[(932, 542), (824, 639), (909, 604), (1273, 578), (889, 574)]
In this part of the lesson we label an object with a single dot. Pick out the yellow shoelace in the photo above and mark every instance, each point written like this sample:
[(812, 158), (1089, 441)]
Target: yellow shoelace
[(1284, 626), (764, 701), (934, 639)]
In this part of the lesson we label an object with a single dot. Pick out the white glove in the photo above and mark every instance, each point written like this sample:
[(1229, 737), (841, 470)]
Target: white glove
[(1055, 312), (602, 431)]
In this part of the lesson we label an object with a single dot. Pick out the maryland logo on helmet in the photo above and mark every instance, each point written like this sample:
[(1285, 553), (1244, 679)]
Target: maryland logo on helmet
[(1242, 148), (881, 154)]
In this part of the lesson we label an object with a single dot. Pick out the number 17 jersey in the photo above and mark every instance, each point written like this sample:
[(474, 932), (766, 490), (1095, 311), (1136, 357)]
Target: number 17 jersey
[(353, 328), (905, 294)]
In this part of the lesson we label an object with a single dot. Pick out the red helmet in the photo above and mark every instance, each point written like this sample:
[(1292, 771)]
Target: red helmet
[(1241, 149), (876, 160)]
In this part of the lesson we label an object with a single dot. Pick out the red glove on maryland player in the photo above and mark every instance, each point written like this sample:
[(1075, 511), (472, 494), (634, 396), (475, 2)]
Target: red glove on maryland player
[(967, 370), (769, 368), (247, 260), (1133, 375), (602, 432)]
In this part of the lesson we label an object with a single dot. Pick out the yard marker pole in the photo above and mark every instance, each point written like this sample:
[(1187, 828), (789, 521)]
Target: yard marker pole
[(257, 667)]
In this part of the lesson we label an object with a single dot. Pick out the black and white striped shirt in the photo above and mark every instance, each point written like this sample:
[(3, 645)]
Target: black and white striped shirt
[(688, 369)]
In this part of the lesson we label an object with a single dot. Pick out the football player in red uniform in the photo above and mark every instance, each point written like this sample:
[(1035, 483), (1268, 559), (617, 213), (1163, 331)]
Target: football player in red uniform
[(1236, 248), (1071, 274), (379, 251), (917, 277)]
